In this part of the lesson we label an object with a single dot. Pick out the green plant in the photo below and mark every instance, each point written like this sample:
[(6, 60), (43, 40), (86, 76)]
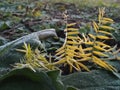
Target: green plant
[(96, 49), (88, 3), (90, 48), (67, 53), (76, 50), (34, 59)]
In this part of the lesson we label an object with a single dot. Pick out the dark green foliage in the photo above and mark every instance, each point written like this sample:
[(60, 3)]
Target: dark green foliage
[(9, 54), (94, 80), (26, 79), (21, 17), (2, 41)]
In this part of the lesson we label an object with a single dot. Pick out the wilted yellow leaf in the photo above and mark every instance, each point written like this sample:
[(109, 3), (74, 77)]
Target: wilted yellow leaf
[(100, 53), (108, 19), (99, 16), (71, 24), (61, 61), (84, 67), (85, 59), (92, 36), (102, 44), (71, 64), (60, 52), (70, 54), (72, 42), (96, 28), (60, 49), (104, 32), (73, 33), (72, 37), (95, 24), (81, 49), (36, 12), (61, 56), (99, 48), (89, 43), (100, 62), (78, 66), (107, 27), (86, 55), (103, 64), (88, 49), (72, 47), (102, 37), (72, 29)]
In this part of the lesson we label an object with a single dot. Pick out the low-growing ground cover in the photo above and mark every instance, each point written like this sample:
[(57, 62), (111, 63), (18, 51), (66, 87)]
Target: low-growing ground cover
[(88, 36)]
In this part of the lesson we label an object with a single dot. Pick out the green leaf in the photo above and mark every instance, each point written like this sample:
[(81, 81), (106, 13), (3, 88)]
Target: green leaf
[(3, 26), (93, 80), (26, 79), (56, 80)]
